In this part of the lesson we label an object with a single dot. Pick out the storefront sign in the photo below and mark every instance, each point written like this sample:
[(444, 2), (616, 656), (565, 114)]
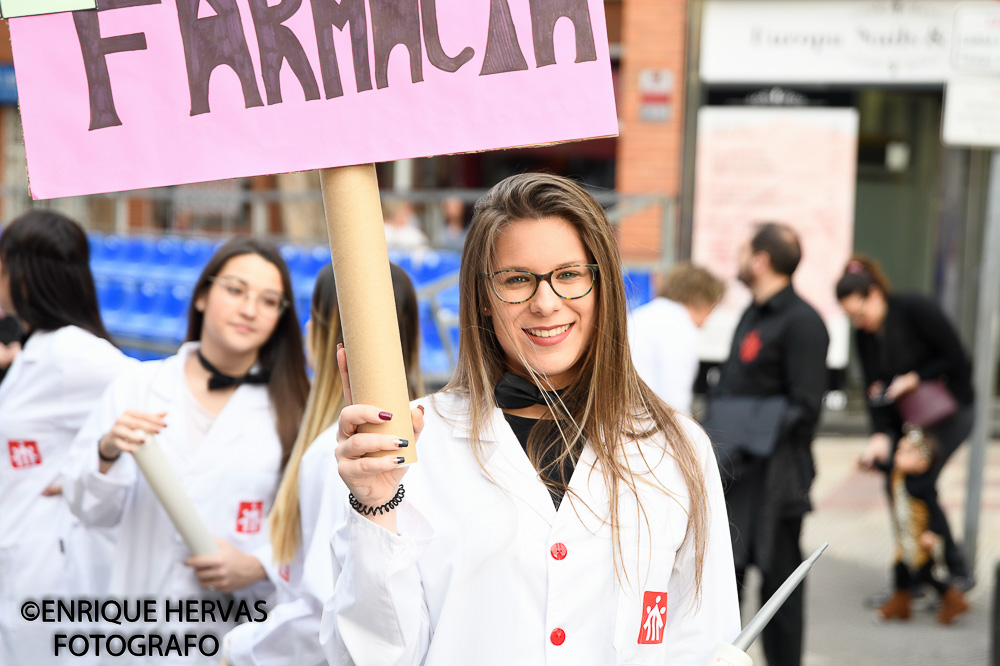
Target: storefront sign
[(656, 92), (972, 112), (826, 41), (145, 93), (976, 46)]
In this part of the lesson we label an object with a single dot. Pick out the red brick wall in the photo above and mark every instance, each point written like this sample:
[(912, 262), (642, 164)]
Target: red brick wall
[(649, 153)]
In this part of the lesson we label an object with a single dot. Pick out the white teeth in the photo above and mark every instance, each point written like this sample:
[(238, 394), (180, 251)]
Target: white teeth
[(549, 333)]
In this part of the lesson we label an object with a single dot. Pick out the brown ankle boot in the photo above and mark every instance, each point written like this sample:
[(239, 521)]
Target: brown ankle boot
[(898, 606), (953, 604)]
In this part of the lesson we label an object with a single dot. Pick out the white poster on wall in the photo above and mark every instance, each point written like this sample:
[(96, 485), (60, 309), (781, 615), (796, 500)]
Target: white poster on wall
[(792, 165), (826, 41)]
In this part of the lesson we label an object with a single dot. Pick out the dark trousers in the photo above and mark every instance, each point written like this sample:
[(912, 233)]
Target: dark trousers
[(950, 434), (906, 579), (783, 635)]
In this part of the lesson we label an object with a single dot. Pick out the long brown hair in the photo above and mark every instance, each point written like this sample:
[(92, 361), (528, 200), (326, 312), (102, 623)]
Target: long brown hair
[(326, 398), (607, 404), (282, 354)]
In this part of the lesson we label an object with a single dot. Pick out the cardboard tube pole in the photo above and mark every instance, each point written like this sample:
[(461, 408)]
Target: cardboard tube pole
[(168, 489), (365, 296)]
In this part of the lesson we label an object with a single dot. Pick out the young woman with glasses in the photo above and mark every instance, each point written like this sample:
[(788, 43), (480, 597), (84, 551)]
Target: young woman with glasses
[(226, 411), (51, 387), (559, 511)]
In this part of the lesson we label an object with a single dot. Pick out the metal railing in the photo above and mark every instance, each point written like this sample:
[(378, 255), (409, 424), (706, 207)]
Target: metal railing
[(214, 210)]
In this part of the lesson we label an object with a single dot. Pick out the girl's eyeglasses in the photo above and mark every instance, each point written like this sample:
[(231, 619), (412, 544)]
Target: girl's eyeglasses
[(270, 302), (568, 282)]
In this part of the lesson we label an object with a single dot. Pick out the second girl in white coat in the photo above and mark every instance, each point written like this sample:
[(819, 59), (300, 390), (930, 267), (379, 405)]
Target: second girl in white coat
[(304, 512), (226, 411)]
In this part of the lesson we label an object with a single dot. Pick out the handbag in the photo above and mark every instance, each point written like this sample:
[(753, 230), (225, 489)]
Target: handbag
[(743, 428), (927, 405)]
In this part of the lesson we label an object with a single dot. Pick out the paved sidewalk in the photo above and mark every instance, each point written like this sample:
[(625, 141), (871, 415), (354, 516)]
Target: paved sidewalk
[(852, 515)]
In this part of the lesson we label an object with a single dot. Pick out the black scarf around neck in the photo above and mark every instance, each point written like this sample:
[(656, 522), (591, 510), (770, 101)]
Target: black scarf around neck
[(220, 380), (515, 392)]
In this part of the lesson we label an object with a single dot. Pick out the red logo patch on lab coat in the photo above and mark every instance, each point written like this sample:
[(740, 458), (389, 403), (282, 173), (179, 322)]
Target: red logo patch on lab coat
[(285, 572), (250, 518), (654, 618), (23, 453), (750, 346)]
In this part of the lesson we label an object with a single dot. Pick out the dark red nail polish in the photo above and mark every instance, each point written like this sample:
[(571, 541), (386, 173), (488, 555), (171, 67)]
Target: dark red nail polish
[(421, 408), (385, 416)]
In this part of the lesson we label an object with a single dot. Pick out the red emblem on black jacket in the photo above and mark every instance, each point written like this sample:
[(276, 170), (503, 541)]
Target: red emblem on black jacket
[(750, 346)]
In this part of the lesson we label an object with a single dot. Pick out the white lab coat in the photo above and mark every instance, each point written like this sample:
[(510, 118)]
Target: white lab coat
[(664, 343), (292, 626), (237, 465), (486, 571), (51, 387)]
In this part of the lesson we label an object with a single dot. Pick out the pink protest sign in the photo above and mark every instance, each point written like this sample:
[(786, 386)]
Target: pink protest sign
[(145, 93)]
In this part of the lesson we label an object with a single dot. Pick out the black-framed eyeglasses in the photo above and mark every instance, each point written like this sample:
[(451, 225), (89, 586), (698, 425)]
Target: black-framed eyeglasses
[(567, 282), (270, 302)]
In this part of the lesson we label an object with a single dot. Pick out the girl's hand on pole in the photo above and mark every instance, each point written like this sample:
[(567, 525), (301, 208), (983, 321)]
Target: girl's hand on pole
[(373, 480)]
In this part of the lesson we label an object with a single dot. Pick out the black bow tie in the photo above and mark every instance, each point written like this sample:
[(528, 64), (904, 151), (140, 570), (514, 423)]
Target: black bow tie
[(219, 380), (514, 392)]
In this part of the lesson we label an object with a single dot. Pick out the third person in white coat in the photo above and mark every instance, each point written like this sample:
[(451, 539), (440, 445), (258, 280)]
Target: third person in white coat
[(560, 513), (305, 510), (51, 387)]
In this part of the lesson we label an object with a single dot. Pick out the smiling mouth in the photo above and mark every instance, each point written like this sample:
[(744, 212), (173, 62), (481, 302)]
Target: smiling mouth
[(548, 332)]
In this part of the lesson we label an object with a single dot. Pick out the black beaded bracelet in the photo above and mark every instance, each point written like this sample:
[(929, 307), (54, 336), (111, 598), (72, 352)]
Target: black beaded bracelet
[(373, 510)]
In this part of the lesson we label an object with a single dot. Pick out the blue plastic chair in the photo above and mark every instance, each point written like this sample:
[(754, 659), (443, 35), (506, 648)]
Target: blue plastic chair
[(106, 251), (170, 313), (140, 321), (136, 258), (164, 256), (303, 306), (638, 287), (433, 357), (192, 256), (115, 296)]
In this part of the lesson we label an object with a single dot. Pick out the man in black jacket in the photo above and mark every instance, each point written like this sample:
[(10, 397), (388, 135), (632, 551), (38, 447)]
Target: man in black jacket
[(779, 349)]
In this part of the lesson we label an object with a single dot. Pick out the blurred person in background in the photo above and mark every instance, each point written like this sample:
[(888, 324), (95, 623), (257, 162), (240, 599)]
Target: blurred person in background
[(453, 233), (917, 533), (778, 351), (302, 519), (50, 388), (663, 333), (225, 411), (903, 340), (402, 226)]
